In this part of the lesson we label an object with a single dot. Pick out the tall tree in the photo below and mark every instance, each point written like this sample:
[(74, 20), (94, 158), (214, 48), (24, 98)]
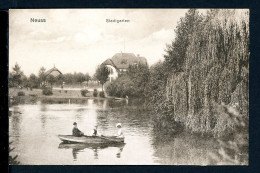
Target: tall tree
[(87, 78), (41, 75), (102, 73), (33, 81), (80, 77), (51, 79), (17, 75), (176, 52), (139, 75)]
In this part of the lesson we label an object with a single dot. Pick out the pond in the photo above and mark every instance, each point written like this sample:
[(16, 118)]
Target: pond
[(33, 130)]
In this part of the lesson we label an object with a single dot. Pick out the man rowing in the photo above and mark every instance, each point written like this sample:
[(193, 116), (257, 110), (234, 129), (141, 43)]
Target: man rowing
[(76, 131)]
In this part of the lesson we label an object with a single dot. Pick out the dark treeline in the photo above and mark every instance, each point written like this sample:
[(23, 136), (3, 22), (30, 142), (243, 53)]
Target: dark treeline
[(18, 79), (206, 64)]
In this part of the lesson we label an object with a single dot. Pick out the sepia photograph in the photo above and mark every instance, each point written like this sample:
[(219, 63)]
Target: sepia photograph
[(129, 86)]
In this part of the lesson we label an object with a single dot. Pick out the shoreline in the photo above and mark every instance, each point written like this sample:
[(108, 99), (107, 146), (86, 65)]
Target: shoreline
[(58, 96)]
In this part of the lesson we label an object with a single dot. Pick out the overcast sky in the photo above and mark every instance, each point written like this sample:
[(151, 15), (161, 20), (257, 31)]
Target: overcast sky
[(77, 40)]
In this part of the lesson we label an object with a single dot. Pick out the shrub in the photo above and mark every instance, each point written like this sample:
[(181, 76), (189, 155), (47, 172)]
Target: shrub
[(84, 92), (102, 94), (47, 91), (20, 93), (95, 93)]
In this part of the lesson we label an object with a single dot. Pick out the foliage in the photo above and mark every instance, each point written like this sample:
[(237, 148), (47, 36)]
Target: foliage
[(84, 92), (16, 76), (80, 77), (155, 88), (95, 93), (233, 146), (41, 75), (87, 78), (12, 160), (131, 84), (47, 91), (101, 74), (176, 52), (20, 93), (207, 63), (102, 94), (121, 87), (33, 81), (51, 79)]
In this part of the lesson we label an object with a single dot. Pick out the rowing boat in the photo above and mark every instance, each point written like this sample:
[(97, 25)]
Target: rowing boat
[(91, 139), (81, 146)]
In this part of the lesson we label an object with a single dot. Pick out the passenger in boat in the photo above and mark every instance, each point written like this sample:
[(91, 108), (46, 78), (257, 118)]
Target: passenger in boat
[(76, 131), (119, 132), (95, 132)]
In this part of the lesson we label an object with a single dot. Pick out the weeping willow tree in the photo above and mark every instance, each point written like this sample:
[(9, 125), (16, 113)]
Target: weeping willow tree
[(207, 64)]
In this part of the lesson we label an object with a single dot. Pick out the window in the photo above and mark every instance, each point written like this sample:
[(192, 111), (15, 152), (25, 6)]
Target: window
[(124, 61)]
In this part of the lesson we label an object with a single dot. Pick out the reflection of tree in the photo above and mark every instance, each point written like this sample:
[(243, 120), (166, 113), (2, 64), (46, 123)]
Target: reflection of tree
[(43, 107), (95, 101), (43, 120), (16, 123)]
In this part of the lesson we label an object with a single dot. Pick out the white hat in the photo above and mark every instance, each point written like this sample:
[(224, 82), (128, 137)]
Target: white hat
[(118, 124)]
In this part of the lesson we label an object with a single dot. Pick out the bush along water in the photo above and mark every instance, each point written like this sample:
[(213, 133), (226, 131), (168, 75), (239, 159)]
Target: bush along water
[(84, 92), (47, 91), (102, 94), (95, 93), (132, 83), (20, 93)]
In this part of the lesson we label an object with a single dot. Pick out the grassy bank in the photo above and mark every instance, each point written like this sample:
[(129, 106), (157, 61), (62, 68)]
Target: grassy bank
[(57, 94)]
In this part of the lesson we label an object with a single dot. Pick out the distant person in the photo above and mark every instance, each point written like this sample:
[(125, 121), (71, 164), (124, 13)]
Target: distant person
[(126, 97), (95, 132), (76, 131), (119, 132)]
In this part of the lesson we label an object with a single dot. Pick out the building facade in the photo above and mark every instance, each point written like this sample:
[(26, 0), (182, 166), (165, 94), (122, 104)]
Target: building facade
[(120, 62)]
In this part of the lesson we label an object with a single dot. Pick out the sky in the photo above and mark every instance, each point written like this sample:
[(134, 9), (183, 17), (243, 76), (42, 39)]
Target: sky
[(78, 40)]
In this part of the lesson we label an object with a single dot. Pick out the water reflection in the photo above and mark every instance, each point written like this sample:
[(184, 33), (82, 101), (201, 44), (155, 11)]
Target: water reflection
[(78, 147), (35, 131)]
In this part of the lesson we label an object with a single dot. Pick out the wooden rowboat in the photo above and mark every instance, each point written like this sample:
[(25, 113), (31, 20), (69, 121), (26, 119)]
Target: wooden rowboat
[(91, 139), (81, 146)]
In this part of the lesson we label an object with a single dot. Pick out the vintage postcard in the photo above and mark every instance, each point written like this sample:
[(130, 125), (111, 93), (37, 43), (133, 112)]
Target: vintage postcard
[(128, 86)]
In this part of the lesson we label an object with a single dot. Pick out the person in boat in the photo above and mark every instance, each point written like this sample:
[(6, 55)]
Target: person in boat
[(76, 131), (95, 132), (119, 132)]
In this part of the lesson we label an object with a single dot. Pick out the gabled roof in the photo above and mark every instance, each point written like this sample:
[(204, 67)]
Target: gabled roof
[(108, 62), (123, 60), (54, 71)]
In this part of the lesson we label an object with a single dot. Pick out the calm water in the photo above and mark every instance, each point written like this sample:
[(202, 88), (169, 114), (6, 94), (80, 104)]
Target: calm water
[(33, 129)]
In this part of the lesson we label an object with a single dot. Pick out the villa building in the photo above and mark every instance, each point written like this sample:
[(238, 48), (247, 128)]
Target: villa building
[(120, 62)]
